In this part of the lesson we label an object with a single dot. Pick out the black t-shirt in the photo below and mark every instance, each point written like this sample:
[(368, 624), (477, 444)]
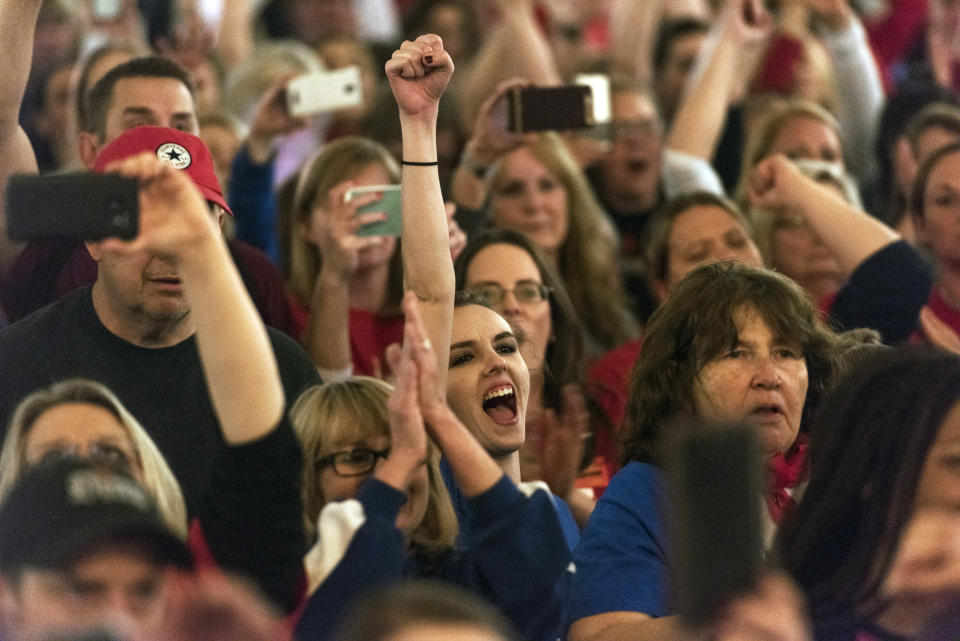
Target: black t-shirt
[(163, 388)]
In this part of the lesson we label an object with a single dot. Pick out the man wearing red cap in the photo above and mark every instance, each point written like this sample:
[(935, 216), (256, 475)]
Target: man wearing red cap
[(158, 305), (142, 91)]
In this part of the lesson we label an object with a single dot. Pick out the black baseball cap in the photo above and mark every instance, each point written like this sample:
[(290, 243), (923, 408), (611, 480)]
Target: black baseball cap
[(58, 512)]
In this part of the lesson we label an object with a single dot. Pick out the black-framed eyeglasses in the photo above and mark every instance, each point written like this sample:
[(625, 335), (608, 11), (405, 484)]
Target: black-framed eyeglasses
[(625, 129), (353, 462), (525, 291)]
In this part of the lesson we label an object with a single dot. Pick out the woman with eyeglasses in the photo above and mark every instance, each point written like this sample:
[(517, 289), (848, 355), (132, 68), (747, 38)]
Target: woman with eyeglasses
[(462, 382)]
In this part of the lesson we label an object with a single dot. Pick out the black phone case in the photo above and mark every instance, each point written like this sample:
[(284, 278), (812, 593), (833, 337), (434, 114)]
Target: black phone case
[(549, 108), (716, 479), (82, 205)]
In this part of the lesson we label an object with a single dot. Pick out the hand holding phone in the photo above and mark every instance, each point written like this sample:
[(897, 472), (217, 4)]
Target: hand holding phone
[(81, 205), (389, 203), (549, 108), (324, 91)]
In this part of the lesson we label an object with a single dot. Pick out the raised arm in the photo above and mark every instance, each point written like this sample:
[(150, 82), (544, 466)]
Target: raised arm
[(419, 72), (702, 113), (515, 47), (327, 337), (18, 20), (489, 140), (851, 234), (859, 84), (634, 27), (175, 221)]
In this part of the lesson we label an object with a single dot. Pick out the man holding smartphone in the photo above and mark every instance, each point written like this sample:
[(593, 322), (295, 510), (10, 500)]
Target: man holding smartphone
[(142, 91)]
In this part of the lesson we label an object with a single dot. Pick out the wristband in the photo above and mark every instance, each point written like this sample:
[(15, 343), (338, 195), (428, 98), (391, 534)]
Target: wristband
[(412, 163)]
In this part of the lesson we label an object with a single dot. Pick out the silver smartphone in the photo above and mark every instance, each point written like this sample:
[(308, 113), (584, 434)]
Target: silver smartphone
[(324, 91)]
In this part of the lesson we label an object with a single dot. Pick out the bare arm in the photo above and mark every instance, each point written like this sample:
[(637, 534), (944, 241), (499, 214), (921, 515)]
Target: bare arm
[(334, 230), (859, 84), (635, 27), (235, 35), (516, 47), (175, 221), (419, 73), (851, 234), (702, 113), (18, 19), (628, 626), (489, 139)]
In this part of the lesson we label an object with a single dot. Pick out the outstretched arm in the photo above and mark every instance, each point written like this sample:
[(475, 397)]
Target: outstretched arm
[(859, 84), (489, 140), (419, 72), (851, 234), (175, 221), (702, 113), (18, 19), (634, 27), (515, 47)]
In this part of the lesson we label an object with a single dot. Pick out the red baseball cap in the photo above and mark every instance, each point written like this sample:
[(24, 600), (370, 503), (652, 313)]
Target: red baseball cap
[(176, 148)]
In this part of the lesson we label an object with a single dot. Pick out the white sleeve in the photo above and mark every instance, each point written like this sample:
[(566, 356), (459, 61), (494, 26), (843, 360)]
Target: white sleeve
[(336, 525), (683, 173), (860, 94)]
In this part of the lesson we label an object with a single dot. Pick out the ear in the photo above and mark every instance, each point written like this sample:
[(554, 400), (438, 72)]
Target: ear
[(93, 248), (905, 163), (660, 289), (88, 146), (308, 228)]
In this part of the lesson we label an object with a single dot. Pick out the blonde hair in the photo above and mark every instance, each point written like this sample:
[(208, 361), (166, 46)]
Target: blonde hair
[(336, 162), (270, 61), (158, 479), (762, 134), (586, 259), (333, 414)]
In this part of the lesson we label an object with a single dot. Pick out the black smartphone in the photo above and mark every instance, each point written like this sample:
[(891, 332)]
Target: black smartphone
[(544, 108), (83, 205), (715, 476)]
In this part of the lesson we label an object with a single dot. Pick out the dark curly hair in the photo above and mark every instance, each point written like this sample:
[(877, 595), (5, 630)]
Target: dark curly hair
[(696, 324)]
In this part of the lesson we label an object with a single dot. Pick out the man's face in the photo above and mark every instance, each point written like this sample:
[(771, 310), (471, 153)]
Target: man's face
[(119, 589), (631, 171), (141, 290), (143, 286), (136, 101)]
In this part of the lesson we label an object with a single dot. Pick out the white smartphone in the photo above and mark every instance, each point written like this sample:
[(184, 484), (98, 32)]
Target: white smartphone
[(389, 203), (324, 91), (106, 9), (600, 91)]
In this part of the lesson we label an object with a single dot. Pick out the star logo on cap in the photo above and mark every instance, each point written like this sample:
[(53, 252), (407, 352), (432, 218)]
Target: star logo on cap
[(174, 155)]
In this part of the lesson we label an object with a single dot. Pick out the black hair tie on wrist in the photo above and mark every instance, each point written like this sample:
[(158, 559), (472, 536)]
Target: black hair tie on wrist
[(419, 164)]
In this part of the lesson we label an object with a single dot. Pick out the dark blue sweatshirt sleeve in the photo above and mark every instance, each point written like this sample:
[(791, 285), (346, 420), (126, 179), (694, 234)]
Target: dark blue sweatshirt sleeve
[(517, 557), (885, 293), (254, 206), (252, 516), (374, 557)]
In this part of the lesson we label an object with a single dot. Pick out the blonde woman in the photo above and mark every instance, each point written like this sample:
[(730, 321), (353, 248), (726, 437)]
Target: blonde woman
[(539, 190)]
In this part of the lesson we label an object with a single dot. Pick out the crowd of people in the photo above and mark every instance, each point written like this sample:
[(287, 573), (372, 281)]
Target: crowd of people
[(392, 370)]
